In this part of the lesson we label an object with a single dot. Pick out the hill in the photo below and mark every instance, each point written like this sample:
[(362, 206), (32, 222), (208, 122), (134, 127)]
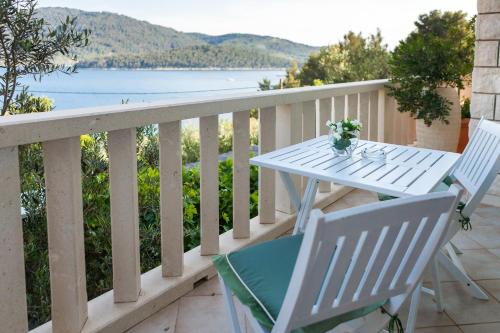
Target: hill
[(120, 41), (275, 46)]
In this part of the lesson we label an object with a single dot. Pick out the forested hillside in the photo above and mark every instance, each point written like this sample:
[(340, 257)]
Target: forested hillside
[(205, 56), (121, 41)]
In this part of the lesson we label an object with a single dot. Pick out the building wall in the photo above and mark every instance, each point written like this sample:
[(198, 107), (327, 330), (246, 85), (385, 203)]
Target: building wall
[(485, 100)]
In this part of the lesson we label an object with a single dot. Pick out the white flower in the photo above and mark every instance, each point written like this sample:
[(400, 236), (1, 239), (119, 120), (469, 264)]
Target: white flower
[(356, 122), (329, 123), (340, 130), (336, 136)]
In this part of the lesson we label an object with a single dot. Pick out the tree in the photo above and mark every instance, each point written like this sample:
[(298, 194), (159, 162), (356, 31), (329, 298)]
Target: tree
[(28, 46), (291, 80), (265, 84), (26, 103), (440, 52), (355, 58)]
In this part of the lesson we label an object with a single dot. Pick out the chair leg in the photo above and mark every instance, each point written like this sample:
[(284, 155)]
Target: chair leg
[(436, 284), (414, 303), (461, 277), (230, 307), (455, 248), (453, 256)]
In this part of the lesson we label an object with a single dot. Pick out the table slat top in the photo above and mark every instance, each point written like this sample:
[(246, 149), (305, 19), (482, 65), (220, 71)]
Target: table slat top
[(406, 171)]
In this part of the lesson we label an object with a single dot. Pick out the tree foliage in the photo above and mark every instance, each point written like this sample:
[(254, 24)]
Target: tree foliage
[(28, 45), (355, 58), (291, 80), (438, 53), (221, 56)]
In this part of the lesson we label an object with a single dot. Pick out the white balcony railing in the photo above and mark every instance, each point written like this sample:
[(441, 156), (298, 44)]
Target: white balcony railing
[(286, 117)]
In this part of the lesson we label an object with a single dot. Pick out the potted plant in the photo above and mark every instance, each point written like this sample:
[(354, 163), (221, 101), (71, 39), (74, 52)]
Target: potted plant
[(343, 136), (428, 69)]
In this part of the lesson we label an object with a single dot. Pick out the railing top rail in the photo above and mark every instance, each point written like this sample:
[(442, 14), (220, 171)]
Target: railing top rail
[(39, 127)]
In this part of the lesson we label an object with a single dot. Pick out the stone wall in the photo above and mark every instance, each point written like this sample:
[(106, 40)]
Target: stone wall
[(485, 101)]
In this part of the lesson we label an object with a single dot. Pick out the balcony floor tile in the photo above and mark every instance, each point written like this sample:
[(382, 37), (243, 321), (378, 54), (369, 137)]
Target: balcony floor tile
[(442, 329), (161, 322), (481, 328)]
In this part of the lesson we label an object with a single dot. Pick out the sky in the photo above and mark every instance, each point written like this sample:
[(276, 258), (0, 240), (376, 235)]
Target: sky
[(313, 22)]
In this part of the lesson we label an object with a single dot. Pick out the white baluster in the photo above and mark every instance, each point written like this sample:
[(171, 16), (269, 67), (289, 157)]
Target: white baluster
[(171, 202), (352, 106), (364, 105), (124, 214), (267, 185), (339, 108), (13, 314), (241, 174), (62, 164), (209, 185), (381, 137), (373, 116), (288, 132), (325, 113)]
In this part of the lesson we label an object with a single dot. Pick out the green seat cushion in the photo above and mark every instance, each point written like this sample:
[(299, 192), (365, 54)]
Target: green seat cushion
[(259, 277), (441, 187)]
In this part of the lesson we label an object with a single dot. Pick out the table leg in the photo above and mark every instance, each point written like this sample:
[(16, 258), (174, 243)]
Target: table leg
[(290, 188), (455, 248), (306, 205)]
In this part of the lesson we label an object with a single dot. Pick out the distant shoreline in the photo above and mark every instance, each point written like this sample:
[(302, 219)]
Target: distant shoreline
[(193, 69)]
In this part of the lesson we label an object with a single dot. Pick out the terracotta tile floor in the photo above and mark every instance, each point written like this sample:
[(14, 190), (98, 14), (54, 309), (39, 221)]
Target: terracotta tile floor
[(202, 310)]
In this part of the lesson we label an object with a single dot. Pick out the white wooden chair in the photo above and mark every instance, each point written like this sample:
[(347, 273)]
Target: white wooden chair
[(475, 171), (351, 259)]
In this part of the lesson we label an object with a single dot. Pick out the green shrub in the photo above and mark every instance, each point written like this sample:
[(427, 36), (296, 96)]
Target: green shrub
[(438, 53), (190, 139)]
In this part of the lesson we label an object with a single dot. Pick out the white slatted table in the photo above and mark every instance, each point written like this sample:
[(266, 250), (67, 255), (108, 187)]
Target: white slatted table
[(406, 171)]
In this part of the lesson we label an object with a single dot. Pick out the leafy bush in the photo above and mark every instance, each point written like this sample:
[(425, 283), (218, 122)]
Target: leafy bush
[(355, 58), (190, 139), (438, 53)]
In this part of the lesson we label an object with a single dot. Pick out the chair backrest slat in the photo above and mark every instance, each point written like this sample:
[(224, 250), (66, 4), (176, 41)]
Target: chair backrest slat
[(413, 252), (353, 258), (479, 164), (342, 270), (357, 276), (378, 259), (396, 255)]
